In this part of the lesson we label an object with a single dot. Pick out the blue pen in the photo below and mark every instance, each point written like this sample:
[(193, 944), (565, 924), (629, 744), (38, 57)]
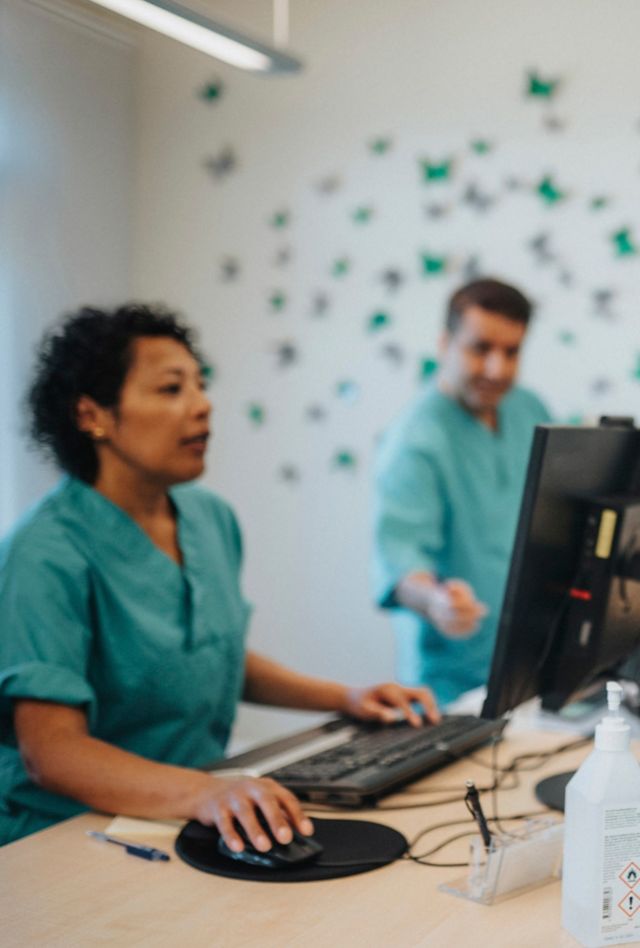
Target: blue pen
[(134, 849)]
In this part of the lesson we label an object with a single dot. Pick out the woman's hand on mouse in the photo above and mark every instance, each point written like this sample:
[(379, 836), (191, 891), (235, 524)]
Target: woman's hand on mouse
[(390, 702), (227, 800)]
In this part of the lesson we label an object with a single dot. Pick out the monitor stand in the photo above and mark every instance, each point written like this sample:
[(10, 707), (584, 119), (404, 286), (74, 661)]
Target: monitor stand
[(550, 791)]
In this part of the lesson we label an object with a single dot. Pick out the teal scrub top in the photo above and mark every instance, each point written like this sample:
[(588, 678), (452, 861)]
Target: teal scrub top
[(447, 499), (94, 615)]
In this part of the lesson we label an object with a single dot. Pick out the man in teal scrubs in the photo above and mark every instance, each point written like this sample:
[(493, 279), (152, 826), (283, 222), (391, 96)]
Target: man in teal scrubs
[(449, 479)]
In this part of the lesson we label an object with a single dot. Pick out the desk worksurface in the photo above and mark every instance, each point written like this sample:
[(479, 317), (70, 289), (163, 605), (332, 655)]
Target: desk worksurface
[(60, 888)]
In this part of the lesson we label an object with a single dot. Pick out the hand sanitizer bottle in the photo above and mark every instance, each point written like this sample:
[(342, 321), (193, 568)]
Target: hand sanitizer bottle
[(601, 870)]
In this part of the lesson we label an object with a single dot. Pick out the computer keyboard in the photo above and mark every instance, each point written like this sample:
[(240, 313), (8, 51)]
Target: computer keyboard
[(381, 747)]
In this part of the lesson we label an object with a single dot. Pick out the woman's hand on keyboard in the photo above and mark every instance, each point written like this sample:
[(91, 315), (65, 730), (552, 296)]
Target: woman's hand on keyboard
[(391, 702)]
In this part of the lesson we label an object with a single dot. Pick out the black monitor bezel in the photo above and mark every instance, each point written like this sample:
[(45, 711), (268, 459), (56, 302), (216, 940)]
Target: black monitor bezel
[(518, 673)]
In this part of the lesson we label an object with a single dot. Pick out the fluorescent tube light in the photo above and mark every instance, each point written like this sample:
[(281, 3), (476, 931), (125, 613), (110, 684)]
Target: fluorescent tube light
[(196, 30)]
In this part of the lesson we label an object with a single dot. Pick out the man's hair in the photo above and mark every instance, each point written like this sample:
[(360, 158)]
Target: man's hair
[(491, 295), (89, 352)]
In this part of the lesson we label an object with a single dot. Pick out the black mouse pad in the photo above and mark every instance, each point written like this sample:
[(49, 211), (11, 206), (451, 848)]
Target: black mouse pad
[(350, 847)]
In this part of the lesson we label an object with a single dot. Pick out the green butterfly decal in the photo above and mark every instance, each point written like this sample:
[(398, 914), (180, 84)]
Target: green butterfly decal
[(624, 243), (436, 172), (540, 88)]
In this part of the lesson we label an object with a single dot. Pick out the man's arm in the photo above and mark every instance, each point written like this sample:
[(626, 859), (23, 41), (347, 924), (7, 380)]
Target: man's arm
[(411, 536), (450, 606)]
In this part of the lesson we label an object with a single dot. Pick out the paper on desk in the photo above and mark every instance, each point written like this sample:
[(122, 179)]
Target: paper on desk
[(126, 827), (469, 702)]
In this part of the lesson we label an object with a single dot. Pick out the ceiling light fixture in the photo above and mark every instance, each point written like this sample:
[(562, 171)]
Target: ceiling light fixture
[(200, 32)]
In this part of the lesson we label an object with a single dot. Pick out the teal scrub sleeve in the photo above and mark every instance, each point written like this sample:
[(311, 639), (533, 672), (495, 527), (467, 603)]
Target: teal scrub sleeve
[(409, 519), (46, 629)]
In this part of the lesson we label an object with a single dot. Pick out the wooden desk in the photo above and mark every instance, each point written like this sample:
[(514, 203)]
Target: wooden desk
[(60, 888)]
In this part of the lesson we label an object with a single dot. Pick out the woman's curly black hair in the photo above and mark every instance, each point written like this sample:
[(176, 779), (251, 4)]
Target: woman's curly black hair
[(89, 353)]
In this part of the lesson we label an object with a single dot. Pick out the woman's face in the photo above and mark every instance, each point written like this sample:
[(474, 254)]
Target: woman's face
[(160, 428)]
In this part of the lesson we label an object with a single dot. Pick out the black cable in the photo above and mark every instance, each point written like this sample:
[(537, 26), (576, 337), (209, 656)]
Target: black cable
[(499, 775), (416, 806), (407, 856), (511, 769), (494, 792), (542, 756), (436, 826), (515, 766), (415, 791), (421, 860), (359, 862)]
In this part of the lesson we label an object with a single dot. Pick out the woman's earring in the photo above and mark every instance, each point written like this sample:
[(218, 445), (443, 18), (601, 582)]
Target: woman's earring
[(98, 434)]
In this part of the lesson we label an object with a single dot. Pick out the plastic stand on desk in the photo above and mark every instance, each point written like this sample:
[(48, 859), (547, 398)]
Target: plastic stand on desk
[(513, 863)]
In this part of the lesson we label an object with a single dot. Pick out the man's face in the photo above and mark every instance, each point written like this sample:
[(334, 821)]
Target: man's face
[(479, 360)]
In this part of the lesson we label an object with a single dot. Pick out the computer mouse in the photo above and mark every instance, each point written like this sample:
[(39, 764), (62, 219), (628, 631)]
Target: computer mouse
[(300, 850)]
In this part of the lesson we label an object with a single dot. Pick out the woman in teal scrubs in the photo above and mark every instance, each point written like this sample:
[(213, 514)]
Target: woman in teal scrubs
[(123, 623)]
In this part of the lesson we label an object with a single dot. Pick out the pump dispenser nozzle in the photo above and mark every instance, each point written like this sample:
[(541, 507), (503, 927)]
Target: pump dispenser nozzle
[(614, 696), (613, 732)]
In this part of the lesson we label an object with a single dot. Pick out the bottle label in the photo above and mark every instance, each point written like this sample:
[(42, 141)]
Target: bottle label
[(620, 919)]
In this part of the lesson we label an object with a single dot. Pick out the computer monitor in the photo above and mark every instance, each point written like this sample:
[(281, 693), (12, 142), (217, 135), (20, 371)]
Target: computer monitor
[(571, 609)]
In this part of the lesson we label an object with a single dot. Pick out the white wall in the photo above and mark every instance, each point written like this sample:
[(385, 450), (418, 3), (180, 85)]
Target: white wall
[(434, 77), (67, 160)]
